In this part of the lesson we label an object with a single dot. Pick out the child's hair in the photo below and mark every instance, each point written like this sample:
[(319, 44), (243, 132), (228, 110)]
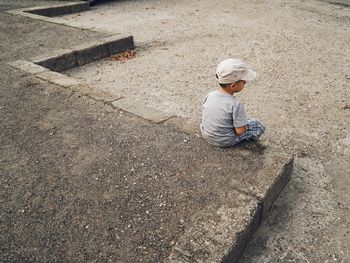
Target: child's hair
[(221, 85)]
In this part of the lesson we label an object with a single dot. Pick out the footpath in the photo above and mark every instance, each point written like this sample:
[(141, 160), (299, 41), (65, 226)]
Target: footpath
[(82, 181)]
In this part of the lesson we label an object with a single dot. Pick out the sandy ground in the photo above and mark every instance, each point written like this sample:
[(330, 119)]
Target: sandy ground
[(301, 53)]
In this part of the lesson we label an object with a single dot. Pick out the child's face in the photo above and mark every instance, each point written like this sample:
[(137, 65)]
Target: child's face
[(239, 86)]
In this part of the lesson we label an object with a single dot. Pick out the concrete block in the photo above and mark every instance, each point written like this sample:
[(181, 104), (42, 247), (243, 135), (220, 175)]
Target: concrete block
[(58, 10), (90, 52), (28, 67), (263, 172), (141, 110), (79, 7), (281, 170), (269, 172), (58, 79), (47, 10), (247, 180), (58, 60), (30, 15), (220, 232), (119, 43)]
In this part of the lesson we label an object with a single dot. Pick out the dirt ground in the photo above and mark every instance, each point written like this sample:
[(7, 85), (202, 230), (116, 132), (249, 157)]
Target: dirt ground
[(301, 54)]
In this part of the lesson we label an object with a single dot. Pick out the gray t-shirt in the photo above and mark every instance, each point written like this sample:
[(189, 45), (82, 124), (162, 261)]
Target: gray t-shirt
[(221, 113)]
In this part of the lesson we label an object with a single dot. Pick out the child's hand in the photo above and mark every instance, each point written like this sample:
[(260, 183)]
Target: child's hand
[(240, 130)]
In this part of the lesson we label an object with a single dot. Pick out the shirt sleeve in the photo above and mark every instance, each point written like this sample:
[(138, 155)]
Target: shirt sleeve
[(239, 116)]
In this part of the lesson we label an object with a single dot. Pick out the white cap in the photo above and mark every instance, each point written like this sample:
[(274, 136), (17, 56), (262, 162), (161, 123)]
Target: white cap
[(232, 70)]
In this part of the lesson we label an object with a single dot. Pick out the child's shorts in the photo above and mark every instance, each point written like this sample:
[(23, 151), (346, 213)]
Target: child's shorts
[(254, 130)]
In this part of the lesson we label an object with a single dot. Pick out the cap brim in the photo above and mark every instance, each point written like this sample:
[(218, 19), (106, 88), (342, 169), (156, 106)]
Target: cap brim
[(249, 75)]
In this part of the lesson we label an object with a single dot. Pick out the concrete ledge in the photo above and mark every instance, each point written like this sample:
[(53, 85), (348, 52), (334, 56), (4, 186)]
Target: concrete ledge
[(64, 81), (48, 13), (220, 232), (58, 79), (88, 53), (58, 10), (60, 60), (57, 60), (117, 44), (141, 110), (247, 189), (281, 179), (28, 67)]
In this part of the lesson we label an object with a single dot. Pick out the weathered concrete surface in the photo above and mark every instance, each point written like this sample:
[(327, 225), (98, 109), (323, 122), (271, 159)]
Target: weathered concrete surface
[(295, 206), (89, 183), (220, 231)]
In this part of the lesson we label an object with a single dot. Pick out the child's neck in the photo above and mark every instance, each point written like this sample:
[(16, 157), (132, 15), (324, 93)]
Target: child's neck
[(226, 91)]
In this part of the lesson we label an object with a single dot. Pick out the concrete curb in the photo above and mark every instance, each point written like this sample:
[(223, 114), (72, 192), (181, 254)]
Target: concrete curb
[(49, 13), (276, 188), (28, 67), (60, 60), (58, 10), (220, 233), (48, 66), (52, 10)]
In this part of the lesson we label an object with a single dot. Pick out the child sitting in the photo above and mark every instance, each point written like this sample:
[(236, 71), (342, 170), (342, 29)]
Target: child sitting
[(224, 121)]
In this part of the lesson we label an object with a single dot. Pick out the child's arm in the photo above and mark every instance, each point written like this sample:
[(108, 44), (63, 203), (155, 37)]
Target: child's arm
[(239, 118), (240, 130)]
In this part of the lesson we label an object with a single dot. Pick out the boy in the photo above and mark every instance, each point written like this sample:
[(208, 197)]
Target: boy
[(224, 122)]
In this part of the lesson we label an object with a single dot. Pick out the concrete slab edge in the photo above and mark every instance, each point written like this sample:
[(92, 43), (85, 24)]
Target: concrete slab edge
[(85, 90), (57, 78), (181, 254), (25, 13), (60, 60), (27, 67), (281, 181), (219, 233), (63, 81), (57, 10)]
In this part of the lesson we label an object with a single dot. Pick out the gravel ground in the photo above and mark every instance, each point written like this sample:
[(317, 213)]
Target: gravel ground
[(300, 51)]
